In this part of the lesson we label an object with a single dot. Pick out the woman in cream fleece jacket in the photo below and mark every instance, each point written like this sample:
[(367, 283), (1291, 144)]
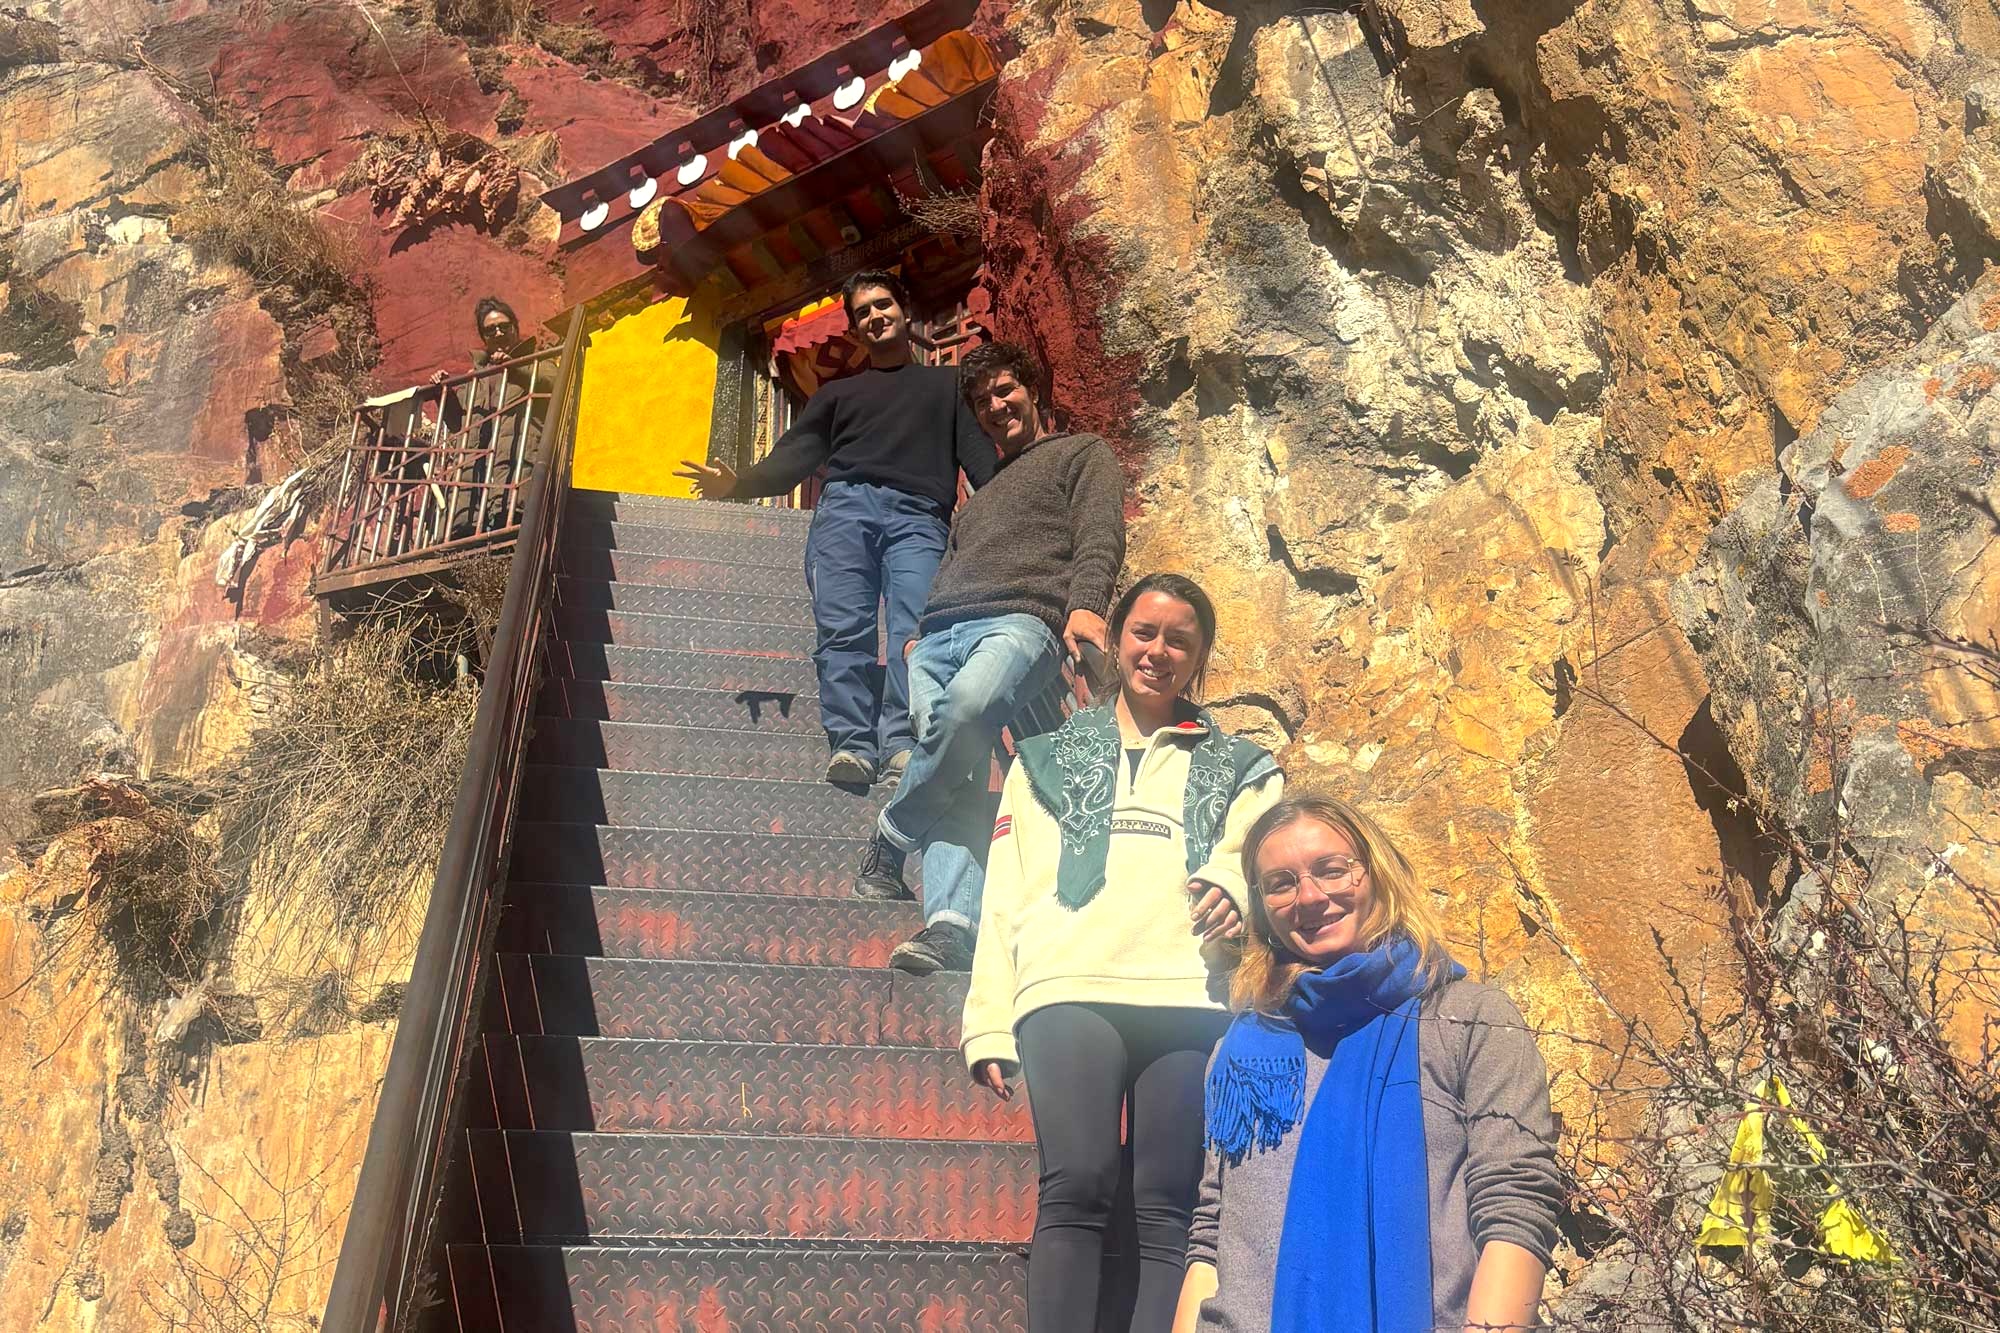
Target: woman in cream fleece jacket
[(1116, 860)]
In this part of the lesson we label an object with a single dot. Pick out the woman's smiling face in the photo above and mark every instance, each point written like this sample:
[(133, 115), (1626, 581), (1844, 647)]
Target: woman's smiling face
[(1160, 648), (1316, 891)]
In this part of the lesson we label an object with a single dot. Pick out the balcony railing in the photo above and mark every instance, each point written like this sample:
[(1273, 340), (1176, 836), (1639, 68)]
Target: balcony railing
[(438, 472)]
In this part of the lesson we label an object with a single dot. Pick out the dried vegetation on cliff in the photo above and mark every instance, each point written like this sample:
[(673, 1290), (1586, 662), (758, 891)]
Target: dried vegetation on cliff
[(340, 803)]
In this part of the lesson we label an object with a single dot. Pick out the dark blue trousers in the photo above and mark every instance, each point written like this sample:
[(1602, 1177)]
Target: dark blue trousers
[(870, 546)]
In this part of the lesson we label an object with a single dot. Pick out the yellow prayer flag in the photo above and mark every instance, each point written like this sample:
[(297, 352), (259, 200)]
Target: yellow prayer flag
[(1741, 1209)]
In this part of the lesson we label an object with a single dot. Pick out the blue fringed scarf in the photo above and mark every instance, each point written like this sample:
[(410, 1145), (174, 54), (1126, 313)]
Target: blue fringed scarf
[(1355, 1251)]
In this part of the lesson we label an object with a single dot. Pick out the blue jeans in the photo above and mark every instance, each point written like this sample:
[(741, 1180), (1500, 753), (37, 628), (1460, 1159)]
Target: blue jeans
[(967, 681), (869, 545)]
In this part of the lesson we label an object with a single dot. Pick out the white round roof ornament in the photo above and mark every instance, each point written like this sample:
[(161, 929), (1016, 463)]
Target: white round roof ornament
[(905, 63), (642, 193), (797, 115), (693, 169), (747, 139), (848, 95), (593, 217)]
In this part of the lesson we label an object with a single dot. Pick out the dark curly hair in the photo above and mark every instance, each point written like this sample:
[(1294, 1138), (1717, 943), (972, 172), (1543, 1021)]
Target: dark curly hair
[(985, 361)]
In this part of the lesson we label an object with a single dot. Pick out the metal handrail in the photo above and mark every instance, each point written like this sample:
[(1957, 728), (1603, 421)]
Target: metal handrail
[(390, 1227)]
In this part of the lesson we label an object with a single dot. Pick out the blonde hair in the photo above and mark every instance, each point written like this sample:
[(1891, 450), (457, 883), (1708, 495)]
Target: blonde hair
[(1266, 969)]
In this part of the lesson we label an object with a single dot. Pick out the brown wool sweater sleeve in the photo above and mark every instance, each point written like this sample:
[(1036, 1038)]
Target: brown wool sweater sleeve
[(1097, 516)]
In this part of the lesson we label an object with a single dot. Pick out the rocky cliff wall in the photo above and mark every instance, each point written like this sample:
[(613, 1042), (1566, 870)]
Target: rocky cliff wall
[(195, 279), (1438, 339), (1482, 359), (1485, 360)]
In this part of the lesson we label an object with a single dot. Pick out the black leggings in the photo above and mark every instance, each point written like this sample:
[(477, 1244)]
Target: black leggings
[(1083, 1063)]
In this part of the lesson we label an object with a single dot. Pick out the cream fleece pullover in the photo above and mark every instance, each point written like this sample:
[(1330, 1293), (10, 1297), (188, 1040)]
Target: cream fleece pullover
[(1132, 943)]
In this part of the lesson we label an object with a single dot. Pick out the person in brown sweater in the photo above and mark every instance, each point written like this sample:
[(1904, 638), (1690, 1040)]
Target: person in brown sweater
[(1027, 577)]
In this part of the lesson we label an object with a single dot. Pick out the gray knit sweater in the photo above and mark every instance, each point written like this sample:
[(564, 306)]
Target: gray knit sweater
[(1490, 1140), (1045, 537)]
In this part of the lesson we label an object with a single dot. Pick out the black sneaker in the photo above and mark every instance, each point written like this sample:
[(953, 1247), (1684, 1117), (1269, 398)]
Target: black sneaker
[(880, 877), (938, 947)]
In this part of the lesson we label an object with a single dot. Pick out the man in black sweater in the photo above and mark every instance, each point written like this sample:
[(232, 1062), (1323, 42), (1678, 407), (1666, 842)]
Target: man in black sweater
[(1028, 574), (893, 439)]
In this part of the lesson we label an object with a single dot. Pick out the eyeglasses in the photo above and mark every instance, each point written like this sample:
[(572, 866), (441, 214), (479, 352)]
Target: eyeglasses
[(1329, 873), (497, 330)]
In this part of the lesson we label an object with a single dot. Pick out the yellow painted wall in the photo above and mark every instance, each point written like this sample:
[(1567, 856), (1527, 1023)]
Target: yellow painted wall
[(648, 388)]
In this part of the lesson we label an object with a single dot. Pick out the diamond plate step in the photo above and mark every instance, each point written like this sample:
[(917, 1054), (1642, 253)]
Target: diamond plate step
[(700, 804), (809, 867), (637, 746), (585, 624), (704, 515), (703, 568), (717, 542), (678, 1087), (590, 545), (559, 995), (694, 603), (678, 706), (550, 1186), (685, 670), (908, 1288), (710, 927)]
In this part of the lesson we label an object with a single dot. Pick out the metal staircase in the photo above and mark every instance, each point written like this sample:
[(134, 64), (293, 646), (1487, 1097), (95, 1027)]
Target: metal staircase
[(702, 1099)]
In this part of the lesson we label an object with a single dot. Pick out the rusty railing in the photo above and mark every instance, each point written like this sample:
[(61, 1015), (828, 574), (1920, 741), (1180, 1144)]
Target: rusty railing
[(390, 1238), (439, 471)]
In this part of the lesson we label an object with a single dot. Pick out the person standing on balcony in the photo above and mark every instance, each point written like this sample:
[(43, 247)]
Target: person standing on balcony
[(892, 439), (506, 410), (1029, 573), (1114, 882)]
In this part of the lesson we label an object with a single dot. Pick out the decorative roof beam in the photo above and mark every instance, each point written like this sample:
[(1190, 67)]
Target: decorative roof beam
[(709, 134)]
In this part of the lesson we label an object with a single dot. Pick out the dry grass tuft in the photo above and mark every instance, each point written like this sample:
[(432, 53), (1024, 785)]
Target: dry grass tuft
[(321, 421), (486, 20), (124, 889), (248, 217), (953, 213), (538, 155), (348, 790), (578, 43), (478, 587)]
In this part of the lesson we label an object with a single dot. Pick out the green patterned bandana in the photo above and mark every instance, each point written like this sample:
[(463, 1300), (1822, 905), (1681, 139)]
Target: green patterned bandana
[(1073, 772)]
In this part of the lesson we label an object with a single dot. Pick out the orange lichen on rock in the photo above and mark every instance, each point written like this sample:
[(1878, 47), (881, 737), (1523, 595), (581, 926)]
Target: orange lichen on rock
[(1974, 381), (1902, 521), (1873, 474)]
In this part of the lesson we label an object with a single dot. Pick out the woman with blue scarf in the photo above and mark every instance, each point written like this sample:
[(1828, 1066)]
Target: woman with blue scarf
[(1114, 864), (1381, 1154)]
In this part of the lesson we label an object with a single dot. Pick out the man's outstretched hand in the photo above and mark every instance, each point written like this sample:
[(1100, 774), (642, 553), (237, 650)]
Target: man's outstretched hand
[(710, 483), (1085, 627)]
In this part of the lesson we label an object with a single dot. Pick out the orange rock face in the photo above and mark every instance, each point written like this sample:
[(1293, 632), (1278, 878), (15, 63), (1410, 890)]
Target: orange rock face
[(1447, 342), (187, 1161)]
